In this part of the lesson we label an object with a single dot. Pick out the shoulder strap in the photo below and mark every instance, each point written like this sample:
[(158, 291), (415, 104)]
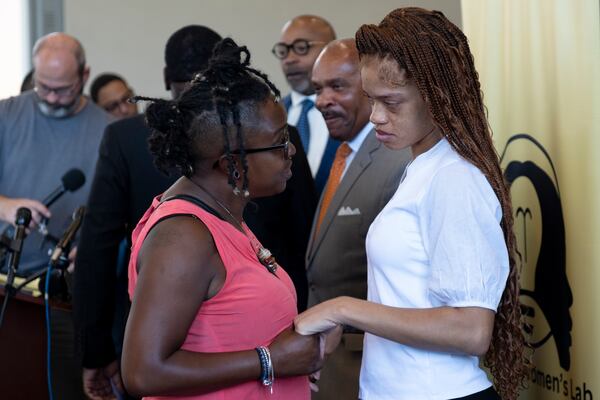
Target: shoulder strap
[(196, 201)]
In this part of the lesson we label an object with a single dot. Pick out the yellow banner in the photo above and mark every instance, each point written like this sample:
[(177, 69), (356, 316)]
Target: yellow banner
[(539, 66)]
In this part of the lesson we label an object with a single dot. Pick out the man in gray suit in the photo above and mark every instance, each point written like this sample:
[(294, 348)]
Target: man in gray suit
[(364, 176)]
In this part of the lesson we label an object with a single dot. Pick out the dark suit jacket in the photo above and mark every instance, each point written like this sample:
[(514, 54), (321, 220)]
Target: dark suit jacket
[(327, 159), (282, 222), (336, 259), (124, 185)]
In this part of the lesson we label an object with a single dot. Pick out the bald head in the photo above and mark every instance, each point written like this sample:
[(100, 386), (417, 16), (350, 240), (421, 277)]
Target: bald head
[(337, 50), (303, 37), (318, 25), (340, 98), (60, 73), (58, 42)]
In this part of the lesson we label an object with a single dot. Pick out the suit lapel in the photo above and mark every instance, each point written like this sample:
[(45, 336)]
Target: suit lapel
[(360, 162), (311, 239)]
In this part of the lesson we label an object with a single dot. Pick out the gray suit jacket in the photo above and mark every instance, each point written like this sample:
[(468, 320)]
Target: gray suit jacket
[(336, 259)]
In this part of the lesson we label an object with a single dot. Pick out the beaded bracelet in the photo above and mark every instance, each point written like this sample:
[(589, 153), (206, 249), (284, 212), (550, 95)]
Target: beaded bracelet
[(264, 364), (271, 375), (267, 373)]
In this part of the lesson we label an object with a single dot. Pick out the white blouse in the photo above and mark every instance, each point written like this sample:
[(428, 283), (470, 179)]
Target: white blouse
[(438, 242)]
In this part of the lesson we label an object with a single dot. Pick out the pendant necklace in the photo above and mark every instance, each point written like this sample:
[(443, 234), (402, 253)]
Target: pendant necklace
[(262, 253)]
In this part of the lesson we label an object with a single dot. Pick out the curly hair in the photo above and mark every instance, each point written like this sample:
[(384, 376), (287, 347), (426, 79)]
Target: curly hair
[(436, 56), (219, 98)]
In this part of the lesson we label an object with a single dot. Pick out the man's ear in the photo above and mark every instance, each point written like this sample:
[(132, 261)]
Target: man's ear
[(85, 75)]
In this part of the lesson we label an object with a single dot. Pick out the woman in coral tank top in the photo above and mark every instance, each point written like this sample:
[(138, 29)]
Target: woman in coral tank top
[(212, 312)]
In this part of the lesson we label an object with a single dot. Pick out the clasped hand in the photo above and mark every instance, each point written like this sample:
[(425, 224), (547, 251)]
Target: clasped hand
[(319, 320)]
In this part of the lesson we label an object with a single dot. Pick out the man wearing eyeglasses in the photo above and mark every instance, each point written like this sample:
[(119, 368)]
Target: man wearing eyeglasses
[(112, 93), (44, 133), (302, 38)]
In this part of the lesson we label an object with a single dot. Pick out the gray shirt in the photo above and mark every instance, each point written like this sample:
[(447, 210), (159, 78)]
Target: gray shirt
[(35, 152)]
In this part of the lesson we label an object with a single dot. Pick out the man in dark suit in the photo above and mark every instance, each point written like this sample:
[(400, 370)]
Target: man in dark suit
[(302, 38), (363, 177), (124, 185)]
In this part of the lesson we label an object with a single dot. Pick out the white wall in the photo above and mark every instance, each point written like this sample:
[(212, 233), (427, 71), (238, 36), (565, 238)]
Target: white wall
[(14, 46), (128, 36)]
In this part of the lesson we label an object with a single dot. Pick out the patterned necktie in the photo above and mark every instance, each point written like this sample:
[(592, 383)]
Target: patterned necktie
[(335, 176), (302, 124)]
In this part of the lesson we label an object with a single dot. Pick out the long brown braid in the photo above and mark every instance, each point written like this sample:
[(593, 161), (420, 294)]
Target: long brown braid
[(436, 55)]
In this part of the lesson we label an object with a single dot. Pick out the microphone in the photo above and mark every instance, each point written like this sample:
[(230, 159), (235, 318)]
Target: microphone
[(72, 180), (65, 241), (22, 222)]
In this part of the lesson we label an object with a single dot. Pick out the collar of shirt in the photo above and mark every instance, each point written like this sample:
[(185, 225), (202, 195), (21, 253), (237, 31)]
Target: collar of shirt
[(356, 143), (298, 98), (319, 134), (360, 138)]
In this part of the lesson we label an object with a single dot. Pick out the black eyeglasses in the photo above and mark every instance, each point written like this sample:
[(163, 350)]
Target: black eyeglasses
[(63, 91), (113, 105), (298, 46), (285, 146)]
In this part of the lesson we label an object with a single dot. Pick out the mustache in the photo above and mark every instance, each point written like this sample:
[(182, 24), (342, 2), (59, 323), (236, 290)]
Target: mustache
[(327, 114), (56, 106), (293, 70)]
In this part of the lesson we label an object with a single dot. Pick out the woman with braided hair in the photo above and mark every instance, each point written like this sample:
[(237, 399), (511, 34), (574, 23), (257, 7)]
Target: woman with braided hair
[(212, 311), (442, 277)]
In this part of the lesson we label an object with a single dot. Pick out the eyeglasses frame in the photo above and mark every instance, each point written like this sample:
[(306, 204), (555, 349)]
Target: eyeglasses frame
[(288, 47), (64, 91), (113, 105), (285, 146)]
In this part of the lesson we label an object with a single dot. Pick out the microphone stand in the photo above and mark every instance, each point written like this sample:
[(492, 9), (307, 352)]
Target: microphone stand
[(14, 248), (55, 272), (59, 262)]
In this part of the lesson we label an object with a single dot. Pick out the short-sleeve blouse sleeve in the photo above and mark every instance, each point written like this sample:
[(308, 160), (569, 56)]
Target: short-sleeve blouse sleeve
[(460, 220)]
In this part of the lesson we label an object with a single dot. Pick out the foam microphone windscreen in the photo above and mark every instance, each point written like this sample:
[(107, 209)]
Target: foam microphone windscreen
[(73, 179)]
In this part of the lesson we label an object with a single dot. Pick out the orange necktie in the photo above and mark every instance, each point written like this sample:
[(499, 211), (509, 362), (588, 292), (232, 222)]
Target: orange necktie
[(335, 176)]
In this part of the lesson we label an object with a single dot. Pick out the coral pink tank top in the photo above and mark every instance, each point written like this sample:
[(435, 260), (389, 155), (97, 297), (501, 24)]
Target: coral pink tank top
[(250, 310)]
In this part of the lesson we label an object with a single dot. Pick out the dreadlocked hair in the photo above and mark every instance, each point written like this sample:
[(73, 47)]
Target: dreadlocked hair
[(219, 98), (436, 56)]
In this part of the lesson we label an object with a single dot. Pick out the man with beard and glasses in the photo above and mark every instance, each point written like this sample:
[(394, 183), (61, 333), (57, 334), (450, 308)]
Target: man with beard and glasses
[(44, 133), (363, 177), (301, 40)]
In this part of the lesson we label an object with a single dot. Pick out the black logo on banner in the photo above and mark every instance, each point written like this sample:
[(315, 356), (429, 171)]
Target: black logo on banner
[(540, 229)]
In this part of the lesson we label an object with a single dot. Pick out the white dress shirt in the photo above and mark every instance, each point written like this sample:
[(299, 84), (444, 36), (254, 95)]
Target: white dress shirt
[(355, 144), (319, 134), (438, 242)]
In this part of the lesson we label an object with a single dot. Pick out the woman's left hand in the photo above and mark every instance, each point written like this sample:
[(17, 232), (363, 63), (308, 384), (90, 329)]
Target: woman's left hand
[(320, 318)]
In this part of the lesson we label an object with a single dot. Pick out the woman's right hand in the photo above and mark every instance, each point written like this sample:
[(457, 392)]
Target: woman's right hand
[(294, 354)]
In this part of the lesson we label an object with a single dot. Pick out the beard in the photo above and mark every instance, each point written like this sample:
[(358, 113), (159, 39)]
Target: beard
[(59, 110)]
